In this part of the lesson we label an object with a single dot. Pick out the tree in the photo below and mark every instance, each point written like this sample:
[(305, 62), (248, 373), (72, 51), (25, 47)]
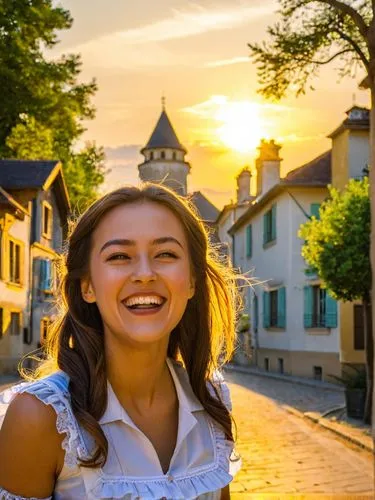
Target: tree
[(84, 172), (41, 98), (30, 141), (337, 246), (309, 35)]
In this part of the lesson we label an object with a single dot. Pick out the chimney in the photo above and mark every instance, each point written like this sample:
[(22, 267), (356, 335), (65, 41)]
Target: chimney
[(267, 166), (243, 185)]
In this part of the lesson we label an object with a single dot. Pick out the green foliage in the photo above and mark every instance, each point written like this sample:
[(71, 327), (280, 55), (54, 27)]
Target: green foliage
[(30, 141), (356, 379), (243, 323), (310, 34), (338, 245), (41, 98), (84, 172)]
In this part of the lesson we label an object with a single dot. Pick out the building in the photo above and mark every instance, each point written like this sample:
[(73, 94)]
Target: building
[(33, 222), (164, 162), (296, 327)]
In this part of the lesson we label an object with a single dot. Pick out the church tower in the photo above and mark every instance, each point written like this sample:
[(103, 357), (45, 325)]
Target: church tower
[(165, 157)]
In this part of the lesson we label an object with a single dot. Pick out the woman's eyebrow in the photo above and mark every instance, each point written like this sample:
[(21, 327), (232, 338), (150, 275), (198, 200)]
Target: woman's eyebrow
[(132, 243)]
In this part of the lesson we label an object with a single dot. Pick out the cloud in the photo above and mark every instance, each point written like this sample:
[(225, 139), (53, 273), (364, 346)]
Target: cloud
[(132, 46), (227, 62)]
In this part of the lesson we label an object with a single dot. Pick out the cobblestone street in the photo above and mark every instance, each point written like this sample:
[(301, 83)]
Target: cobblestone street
[(284, 454)]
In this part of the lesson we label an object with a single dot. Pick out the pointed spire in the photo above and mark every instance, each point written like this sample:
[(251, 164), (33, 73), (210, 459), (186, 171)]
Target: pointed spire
[(164, 135)]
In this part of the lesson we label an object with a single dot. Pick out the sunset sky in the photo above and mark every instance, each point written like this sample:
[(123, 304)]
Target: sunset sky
[(195, 52)]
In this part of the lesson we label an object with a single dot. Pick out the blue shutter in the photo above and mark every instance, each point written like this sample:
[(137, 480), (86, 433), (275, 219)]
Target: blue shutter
[(308, 304), (256, 313), (273, 226), (264, 229), (48, 275), (249, 242), (331, 312), (266, 310), (281, 307), (43, 274), (314, 210)]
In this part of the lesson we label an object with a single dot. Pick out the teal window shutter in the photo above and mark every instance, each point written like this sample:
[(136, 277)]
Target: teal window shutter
[(314, 210), (249, 242), (266, 310), (43, 274), (48, 275), (264, 229), (281, 307), (331, 312), (308, 305), (273, 223)]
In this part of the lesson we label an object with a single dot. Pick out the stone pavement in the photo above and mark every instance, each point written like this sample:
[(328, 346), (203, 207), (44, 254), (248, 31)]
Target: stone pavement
[(321, 402), (289, 456)]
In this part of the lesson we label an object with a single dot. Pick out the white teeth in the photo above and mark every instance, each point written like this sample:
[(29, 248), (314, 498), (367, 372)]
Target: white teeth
[(150, 299)]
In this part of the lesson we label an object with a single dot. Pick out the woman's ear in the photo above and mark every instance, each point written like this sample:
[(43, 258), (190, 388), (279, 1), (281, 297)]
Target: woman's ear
[(87, 291), (191, 288)]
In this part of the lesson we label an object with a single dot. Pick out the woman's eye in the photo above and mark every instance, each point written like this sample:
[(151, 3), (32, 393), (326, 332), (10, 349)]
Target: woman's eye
[(119, 256), (167, 254)]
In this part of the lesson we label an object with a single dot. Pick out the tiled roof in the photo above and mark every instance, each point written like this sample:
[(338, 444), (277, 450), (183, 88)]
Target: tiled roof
[(207, 211), (22, 174), (317, 171), (164, 135)]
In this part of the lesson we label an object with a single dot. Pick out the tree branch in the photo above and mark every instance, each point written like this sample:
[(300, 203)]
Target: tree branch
[(355, 46), (350, 11), (327, 61)]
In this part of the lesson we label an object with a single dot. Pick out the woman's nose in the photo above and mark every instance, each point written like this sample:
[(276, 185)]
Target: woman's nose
[(143, 271)]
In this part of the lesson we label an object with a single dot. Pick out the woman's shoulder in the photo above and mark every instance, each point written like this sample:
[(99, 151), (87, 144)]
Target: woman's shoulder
[(47, 401)]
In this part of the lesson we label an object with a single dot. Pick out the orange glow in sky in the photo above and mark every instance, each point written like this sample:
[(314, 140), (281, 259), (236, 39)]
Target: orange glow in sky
[(242, 128)]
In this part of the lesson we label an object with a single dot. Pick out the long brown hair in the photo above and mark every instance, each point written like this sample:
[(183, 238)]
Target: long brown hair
[(203, 340)]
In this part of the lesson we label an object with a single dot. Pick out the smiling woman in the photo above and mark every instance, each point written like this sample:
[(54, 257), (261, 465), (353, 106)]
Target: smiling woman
[(130, 402)]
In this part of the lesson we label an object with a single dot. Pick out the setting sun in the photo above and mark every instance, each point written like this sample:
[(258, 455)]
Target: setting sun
[(241, 127)]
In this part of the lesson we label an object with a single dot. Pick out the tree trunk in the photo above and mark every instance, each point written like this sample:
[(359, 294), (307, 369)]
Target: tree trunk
[(369, 350)]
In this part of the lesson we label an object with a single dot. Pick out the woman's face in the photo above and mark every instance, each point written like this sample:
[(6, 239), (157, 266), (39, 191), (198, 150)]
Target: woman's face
[(140, 273)]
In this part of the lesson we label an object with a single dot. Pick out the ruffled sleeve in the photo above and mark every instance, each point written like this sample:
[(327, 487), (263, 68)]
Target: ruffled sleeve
[(53, 391), (232, 459), (5, 495)]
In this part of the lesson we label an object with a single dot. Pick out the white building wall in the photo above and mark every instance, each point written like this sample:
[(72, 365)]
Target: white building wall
[(359, 154), (281, 264)]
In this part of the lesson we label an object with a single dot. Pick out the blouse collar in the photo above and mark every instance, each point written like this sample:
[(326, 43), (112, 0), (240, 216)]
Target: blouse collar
[(186, 398)]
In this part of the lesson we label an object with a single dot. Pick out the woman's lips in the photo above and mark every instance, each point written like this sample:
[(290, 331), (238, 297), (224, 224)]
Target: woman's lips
[(145, 311)]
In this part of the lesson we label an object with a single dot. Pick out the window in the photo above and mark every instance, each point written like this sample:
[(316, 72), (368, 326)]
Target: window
[(15, 255), (266, 364), (320, 309), (256, 314), (269, 225), (15, 323), (151, 155), (46, 278), (44, 325), (314, 210), (274, 308), (174, 155), (162, 155), (359, 331), (318, 373), (249, 241), (46, 220), (280, 363)]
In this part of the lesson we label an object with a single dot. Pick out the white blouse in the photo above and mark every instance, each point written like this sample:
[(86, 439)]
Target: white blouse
[(202, 464)]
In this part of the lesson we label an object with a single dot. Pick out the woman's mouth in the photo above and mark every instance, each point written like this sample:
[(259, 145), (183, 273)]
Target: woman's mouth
[(144, 307)]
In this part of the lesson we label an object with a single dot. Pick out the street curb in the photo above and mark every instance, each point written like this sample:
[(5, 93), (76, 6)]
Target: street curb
[(291, 379), (364, 442)]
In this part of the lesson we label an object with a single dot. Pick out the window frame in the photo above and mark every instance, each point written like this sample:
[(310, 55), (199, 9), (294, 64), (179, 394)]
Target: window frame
[(48, 206), (269, 226), (15, 261)]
